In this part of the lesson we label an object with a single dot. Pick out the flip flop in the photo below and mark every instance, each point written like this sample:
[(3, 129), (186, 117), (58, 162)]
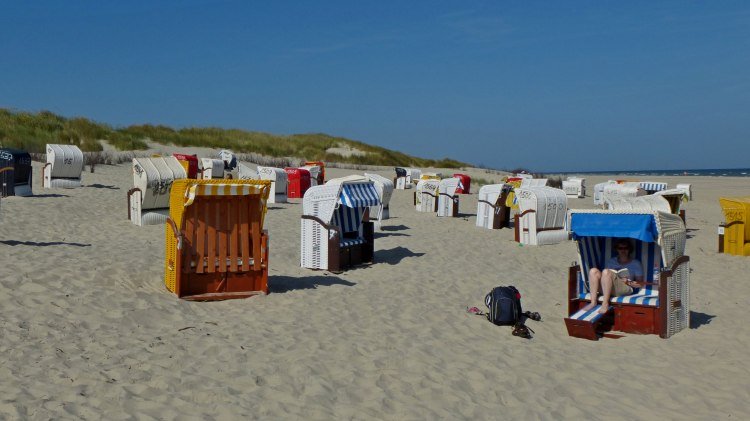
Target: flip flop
[(474, 310), (533, 315), (523, 331)]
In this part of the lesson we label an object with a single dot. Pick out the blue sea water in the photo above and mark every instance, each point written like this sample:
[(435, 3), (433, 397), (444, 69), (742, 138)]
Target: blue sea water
[(716, 172)]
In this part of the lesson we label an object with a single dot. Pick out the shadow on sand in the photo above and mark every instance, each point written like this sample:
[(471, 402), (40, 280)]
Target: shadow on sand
[(281, 284)]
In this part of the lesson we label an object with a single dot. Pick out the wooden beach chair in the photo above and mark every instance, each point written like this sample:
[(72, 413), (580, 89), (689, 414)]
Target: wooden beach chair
[(335, 229), (662, 306), (216, 247), (734, 233), (542, 216)]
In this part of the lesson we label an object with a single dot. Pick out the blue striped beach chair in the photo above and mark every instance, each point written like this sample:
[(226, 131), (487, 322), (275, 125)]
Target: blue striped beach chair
[(336, 230), (662, 306)]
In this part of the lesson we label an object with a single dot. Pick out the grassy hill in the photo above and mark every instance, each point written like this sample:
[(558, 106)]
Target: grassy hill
[(32, 131)]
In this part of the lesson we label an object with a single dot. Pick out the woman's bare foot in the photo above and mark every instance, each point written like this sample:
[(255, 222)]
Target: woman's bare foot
[(604, 309)]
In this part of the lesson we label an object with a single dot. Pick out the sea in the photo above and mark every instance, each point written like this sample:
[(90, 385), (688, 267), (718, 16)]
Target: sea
[(712, 172)]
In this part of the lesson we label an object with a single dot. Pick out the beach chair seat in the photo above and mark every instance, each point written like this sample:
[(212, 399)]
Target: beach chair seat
[(589, 324), (216, 247), (662, 306)]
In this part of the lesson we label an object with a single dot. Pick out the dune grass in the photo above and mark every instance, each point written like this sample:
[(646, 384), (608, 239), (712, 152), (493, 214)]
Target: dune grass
[(32, 131)]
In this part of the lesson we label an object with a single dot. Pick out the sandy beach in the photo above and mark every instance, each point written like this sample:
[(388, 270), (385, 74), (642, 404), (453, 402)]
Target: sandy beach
[(90, 332)]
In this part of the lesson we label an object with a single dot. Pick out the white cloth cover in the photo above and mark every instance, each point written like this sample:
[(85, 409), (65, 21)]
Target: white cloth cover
[(543, 213), (385, 188), (486, 213), (447, 196), (574, 187), (154, 178), (210, 168), (279, 183), (426, 195), (65, 166)]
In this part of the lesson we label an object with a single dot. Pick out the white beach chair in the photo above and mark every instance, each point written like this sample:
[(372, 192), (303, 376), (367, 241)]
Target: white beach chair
[(599, 192), (542, 215), (245, 172), (618, 191), (662, 306), (279, 182), (645, 203), (315, 174), (687, 188), (63, 168), (399, 181), (652, 187), (148, 200), (447, 197), (533, 182), (426, 195), (210, 169), (491, 210), (413, 175), (384, 188), (229, 159), (574, 187), (336, 232)]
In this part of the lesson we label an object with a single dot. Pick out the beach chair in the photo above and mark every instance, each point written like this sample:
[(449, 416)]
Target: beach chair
[(616, 191), (148, 200), (320, 174), (15, 173), (464, 183), (216, 247), (336, 232), (426, 195), (229, 159), (399, 181), (413, 175), (652, 187), (574, 187), (245, 172), (316, 177), (533, 182), (63, 168), (599, 192), (210, 169), (734, 233), (491, 210), (662, 307), (687, 188), (384, 188), (675, 197), (447, 197), (189, 162), (645, 203), (279, 183), (542, 216)]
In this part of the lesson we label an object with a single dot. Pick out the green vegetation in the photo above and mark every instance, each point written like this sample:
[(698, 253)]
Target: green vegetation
[(32, 131)]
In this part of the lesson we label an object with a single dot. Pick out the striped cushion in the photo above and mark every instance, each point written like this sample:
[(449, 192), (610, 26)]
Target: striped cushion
[(595, 251), (589, 315), (346, 242)]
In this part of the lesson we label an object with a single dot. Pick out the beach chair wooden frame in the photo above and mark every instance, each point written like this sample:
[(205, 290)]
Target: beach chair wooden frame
[(216, 247), (662, 306)]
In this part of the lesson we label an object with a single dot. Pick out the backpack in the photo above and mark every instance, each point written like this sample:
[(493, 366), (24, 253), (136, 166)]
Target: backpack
[(504, 306)]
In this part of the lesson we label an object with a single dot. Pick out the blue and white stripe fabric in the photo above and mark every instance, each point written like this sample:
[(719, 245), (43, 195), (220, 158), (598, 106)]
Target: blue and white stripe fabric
[(653, 187), (589, 315), (595, 251), (348, 219), (359, 195), (351, 242)]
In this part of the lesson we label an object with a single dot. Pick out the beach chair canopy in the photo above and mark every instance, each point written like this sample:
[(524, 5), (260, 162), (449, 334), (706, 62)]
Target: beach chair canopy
[(675, 197), (383, 186), (646, 203), (542, 215), (153, 177), (687, 188), (652, 186), (400, 172), (15, 172), (315, 174), (66, 161), (613, 192), (229, 159), (464, 184), (245, 172)]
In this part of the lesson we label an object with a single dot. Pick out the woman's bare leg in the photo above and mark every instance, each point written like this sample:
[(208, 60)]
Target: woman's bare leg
[(595, 276), (608, 282)]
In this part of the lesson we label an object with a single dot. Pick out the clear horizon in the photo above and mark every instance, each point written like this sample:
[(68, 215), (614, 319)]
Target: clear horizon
[(584, 86)]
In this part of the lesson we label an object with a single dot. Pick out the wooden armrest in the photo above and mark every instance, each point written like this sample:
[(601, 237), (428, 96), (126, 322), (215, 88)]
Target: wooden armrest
[(320, 221)]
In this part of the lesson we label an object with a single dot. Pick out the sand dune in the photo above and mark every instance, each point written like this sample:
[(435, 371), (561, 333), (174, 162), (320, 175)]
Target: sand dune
[(90, 332)]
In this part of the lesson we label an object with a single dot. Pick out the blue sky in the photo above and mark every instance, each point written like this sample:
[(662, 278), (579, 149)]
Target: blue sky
[(544, 85)]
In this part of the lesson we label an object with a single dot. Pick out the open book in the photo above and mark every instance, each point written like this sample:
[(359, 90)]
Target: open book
[(623, 273)]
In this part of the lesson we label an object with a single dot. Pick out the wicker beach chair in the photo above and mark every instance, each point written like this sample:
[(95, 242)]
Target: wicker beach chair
[(216, 247), (662, 306), (335, 231), (148, 200), (542, 216), (385, 189), (492, 213), (652, 187), (63, 168)]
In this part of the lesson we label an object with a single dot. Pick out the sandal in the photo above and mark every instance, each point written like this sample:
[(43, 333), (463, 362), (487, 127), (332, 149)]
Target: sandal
[(523, 331), (475, 310), (533, 315)]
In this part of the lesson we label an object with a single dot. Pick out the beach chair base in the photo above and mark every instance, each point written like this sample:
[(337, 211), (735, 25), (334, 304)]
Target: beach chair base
[(590, 324)]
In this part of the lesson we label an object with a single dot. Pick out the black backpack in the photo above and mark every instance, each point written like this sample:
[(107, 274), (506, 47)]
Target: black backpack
[(504, 306)]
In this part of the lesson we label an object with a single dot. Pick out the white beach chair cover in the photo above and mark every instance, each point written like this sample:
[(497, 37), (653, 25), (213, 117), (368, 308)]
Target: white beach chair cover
[(533, 182), (448, 186), (485, 213), (599, 192), (154, 178), (413, 175), (314, 173), (523, 175), (246, 173), (687, 188), (229, 159), (384, 188), (66, 166), (211, 168), (547, 224), (618, 191), (426, 202), (279, 183), (644, 203)]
